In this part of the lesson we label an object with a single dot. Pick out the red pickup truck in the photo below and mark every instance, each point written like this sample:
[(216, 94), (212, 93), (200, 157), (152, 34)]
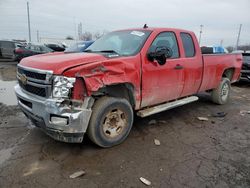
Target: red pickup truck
[(145, 70)]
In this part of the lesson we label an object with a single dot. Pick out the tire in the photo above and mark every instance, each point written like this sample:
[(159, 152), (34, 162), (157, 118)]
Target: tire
[(221, 94), (110, 122)]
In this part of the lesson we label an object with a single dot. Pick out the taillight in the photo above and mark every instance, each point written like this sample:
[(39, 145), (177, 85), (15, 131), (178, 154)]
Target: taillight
[(79, 91), (19, 50)]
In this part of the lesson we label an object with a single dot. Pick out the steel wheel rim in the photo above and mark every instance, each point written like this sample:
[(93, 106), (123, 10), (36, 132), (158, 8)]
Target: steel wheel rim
[(224, 92), (114, 123)]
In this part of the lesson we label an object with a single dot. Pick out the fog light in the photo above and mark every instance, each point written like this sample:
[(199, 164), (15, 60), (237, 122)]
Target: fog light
[(59, 120)]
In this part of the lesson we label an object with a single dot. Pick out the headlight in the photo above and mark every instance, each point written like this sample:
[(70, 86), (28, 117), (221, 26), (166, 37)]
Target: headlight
[(62, 86)]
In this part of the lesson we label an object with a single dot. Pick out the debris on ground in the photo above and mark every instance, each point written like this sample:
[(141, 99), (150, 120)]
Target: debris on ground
[(202, 118), (77, 174), (162, 122), (157, 142), (219, 114), (145, 181), (244, 112), (152, 122)]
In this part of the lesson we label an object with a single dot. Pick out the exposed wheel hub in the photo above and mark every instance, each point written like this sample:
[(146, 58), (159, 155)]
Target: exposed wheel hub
[(114, 123)]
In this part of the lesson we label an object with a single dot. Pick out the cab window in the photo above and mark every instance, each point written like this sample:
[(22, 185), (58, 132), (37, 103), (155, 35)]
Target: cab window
[(188, 44), (166, 39)]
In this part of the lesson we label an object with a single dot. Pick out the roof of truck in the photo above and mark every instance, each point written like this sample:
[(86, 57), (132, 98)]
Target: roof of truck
[(157, 29)]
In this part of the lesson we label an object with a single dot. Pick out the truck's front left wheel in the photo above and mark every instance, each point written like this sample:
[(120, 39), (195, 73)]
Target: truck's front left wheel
[(111, 121)]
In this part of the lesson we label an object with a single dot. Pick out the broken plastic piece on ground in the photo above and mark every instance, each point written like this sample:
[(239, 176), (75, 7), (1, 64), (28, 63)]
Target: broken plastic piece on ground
[(162, 121), (145, 181), (202, 118), (77, 174), (152, 122), (219, 114), (244, 112), (157, 142)]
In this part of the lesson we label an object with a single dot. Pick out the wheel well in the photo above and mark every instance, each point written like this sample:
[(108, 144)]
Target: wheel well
[(124, 90), (228, 73)]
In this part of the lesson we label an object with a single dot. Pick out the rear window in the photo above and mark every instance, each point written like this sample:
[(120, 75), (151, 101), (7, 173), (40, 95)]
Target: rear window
[(188, 44)]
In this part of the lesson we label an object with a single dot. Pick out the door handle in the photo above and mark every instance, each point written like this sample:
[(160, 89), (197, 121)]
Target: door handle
[(178, 67)]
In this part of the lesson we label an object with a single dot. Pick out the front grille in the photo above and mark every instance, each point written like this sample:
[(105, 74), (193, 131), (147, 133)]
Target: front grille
[(34, 81), (26, 103), (246, 67), (30, 74), (33, 89)]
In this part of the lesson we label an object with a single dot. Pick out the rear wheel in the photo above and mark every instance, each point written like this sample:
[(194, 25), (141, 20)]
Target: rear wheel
[(111, 121), (221, 94)]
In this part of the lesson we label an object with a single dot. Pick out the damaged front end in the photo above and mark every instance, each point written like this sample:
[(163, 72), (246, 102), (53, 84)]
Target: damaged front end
[(54, 104)]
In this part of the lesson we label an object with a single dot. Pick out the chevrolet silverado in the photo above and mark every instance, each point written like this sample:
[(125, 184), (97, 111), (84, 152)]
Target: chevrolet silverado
[(143, 70)]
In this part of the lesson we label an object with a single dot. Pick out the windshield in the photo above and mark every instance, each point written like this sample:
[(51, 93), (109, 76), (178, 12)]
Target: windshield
[(123, 43), (79, 46)]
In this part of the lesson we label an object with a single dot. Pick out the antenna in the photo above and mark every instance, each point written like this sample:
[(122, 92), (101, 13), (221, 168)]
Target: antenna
[(145, 26)]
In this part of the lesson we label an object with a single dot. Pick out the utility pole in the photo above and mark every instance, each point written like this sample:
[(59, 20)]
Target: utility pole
[(80, 30), (28, 11), (201, 26), (221, 42), (238, 38), (75, 28), (37, 36)]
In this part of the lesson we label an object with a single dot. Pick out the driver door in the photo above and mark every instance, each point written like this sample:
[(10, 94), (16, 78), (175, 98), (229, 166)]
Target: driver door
[(161, 83)]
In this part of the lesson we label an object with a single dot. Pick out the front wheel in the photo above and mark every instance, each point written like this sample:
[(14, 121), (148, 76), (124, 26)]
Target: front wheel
[(111, 121), (221, 94)]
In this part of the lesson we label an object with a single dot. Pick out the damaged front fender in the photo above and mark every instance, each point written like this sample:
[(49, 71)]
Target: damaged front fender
[(110, 72)]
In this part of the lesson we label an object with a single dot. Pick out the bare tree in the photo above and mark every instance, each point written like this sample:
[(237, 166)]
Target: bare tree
[(69, 38), (86, 36), (230, 48), (245, 47), (97, 35)]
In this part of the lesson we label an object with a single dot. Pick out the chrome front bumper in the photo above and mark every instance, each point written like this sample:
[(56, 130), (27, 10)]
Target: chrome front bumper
[(245, 75), (63, 120)]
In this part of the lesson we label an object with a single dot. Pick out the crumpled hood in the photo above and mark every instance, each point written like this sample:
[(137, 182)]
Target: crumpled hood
[(59, 62)]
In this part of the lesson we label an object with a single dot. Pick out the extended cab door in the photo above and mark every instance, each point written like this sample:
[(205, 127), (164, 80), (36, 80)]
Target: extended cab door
[(161, 83), (191, 61)]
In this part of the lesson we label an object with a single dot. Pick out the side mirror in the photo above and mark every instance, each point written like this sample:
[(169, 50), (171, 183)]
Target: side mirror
[(160, 54)]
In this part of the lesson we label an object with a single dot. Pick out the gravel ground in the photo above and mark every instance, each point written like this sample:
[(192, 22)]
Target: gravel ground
[(192, 153)]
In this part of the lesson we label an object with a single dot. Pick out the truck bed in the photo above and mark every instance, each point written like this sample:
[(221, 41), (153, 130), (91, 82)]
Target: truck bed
[(214, 66)]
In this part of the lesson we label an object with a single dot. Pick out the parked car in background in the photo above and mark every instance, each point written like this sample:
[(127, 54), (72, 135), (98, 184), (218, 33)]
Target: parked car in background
[(7, 49), (56, 47), (31, 49), (79, 46), (213, 50), (245, 71)]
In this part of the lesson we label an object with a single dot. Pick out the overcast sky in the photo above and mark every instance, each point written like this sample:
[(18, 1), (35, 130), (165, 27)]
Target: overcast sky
[(58, 18)]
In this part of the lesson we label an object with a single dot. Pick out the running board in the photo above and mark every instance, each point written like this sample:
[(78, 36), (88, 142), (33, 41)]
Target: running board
[(166, 106)]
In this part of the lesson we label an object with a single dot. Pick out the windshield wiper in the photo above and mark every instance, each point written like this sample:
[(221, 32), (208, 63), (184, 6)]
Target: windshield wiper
[(109, 51), (88, 50), (102, 51)]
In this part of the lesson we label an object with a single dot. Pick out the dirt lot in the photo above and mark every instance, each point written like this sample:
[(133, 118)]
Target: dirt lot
[(193, 153)]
